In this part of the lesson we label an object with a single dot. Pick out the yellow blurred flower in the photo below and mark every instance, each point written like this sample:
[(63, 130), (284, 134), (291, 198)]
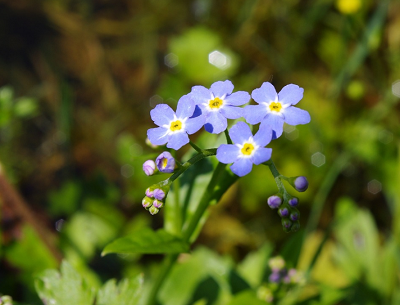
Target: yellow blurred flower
[(348, 6)]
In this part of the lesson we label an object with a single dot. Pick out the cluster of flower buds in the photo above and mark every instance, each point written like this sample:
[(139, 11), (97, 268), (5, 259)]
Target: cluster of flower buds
[(155, 197), (287, 207), (282, 275), (164, 163), (6, 300)]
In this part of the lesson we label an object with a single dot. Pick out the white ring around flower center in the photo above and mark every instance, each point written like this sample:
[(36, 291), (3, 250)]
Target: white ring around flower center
[(168, 126), (251, 142), (221, 98)]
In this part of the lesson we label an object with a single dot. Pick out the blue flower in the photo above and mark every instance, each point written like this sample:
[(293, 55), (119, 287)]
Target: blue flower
[(246, 149), (219, 104), (174, 128), (275, 109)]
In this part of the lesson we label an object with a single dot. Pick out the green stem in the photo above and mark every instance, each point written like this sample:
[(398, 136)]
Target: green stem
[(196, 148), (220, 181), (278, 179), (177, 207), (228, 138)]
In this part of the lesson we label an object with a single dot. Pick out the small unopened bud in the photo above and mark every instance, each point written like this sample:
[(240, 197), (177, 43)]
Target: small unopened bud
[(293, 201), (274, 201), (300, 183), (276, 263), (149, 193), (165, 162), (284, 212), (149, 167), (295, 226), (147, 202), (153, 210), (294, 216), (286, 223), (275, 277), (158, 204), (159, 194)]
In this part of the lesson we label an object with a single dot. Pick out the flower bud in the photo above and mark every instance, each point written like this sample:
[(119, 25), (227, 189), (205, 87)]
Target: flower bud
[(293, 201), (300, 183), (274, 201), (283, 212), (159, 194), (265, 293), (276, 263), (165, 162), (153, 210), (147, 202), (294, 216), (275, 277), (158, 204), (149, 193), (286, 224), (149, 167), (295, 226)]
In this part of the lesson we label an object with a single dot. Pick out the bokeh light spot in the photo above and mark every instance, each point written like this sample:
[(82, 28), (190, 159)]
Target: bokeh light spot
[(59, 224), (171, 60), (219, 59), (127, 170), (155, 100), (396, 88), (291, 132), (318, 159), (374, 186)]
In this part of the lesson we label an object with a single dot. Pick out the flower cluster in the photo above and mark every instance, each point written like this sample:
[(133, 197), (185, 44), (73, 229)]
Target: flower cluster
[(211, 108), (155, 197)]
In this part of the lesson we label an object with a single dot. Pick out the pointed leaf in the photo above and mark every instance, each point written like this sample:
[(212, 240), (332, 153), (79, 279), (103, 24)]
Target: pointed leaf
[(147, 242)]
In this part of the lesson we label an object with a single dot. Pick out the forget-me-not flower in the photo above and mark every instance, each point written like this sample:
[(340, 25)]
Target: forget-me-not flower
[(219, 104), (246, 149), (175, 127), (275, 109)]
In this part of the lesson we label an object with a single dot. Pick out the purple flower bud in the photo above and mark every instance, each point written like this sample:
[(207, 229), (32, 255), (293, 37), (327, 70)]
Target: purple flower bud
[(293, 201), (147, 202), (295, 226), (294, 216), (153, 210), (286, 223), (149, 167), (159, 194), (158, 204), (275, 277), (165, 162), (284, 212), (300, 183), (274, 201), (149, 193)]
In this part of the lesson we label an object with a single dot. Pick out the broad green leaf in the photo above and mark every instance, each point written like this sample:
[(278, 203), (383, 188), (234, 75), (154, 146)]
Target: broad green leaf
[(63, 288), (148, 242), (127, 292)]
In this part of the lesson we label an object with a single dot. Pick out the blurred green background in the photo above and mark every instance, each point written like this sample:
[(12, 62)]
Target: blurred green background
[(77, 82)]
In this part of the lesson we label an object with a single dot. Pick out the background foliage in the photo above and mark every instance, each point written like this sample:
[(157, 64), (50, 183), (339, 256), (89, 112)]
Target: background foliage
[(77, 82)]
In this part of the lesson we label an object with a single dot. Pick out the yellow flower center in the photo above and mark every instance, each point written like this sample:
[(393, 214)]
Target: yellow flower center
[(275, 106), (216, 103), (247, 149), (176, 125), (164, 163)]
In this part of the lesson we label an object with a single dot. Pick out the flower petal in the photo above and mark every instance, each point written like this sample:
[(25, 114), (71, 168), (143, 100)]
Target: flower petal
[(215, 122), (291, 94), (227, 153), (254, 114), (177, 140), (273, 121), (266, 93), (193, 124), (296, 116), (261, 155), (162, 114), (231, 112), (158, 136), (240, 132), (238, 98), (222, 88), (200, 94), (263, 135), (185, 107), (242, 167)]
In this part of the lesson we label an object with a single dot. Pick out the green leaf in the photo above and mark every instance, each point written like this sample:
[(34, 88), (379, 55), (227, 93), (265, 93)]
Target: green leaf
[(65, 288), (128, 292), (149, 242), (246, 297)]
